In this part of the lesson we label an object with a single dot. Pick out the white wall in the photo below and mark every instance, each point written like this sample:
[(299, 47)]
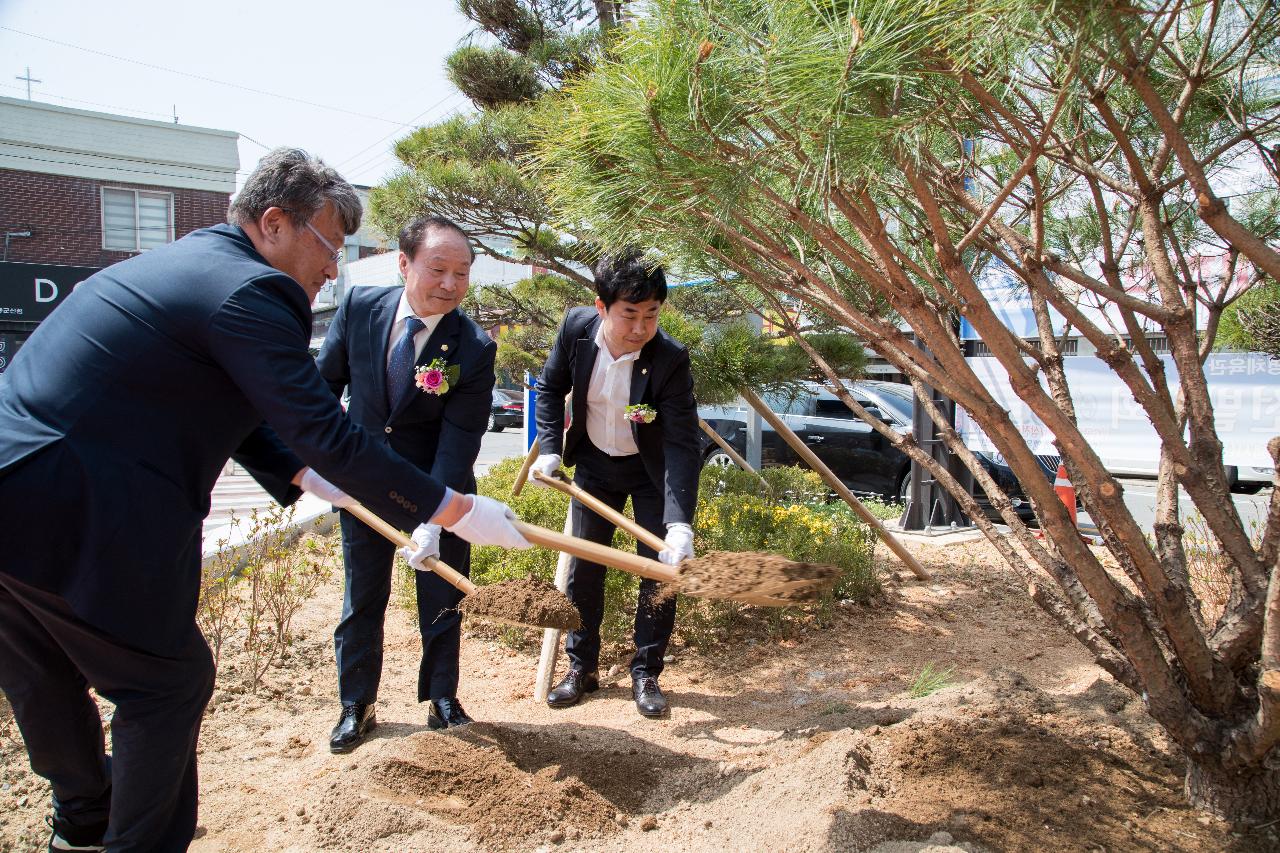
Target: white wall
[(53, 140)]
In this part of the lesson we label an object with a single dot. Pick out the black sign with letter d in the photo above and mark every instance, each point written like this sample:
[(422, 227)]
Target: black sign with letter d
[(29, 292)]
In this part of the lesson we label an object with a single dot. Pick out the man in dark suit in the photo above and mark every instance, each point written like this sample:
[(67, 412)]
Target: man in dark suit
[(115, 420), (613, 357), (380, 340)]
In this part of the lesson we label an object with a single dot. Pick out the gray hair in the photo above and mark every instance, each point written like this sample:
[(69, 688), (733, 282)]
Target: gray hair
[(291, 179)]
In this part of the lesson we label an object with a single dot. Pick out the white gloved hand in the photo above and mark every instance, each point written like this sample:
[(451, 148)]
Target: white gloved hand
[(322, 488), (679, 541), (547, 464), (488, 522), (427, 539)]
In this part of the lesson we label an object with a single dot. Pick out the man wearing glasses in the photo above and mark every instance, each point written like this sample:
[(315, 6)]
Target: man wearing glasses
[(115, 420)]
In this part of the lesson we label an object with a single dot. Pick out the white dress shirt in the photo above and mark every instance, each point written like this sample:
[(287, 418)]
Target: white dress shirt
[(608, 396), (403, 313)]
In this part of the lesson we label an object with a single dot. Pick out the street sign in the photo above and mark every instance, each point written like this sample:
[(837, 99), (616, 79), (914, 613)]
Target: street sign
[(30, 292)]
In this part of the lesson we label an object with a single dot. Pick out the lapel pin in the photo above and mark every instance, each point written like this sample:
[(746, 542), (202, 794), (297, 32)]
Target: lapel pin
[(444, 347), (643, 371)]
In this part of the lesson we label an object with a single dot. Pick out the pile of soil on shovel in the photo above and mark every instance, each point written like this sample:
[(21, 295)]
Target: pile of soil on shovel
[(471, 777), (728, 574), (524, 601)]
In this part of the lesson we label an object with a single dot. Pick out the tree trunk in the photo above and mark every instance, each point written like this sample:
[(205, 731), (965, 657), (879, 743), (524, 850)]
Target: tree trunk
[(1250, 796)]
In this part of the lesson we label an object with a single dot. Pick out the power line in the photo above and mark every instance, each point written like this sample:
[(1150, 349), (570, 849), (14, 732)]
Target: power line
[(255, 142), (91, 103), (207, 79), (438, 103)]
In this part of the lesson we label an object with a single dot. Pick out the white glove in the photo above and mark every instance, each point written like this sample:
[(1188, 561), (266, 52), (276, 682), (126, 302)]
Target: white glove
[(488, 522), (547, 464), (322, 488), (427, 539), (679, 544)]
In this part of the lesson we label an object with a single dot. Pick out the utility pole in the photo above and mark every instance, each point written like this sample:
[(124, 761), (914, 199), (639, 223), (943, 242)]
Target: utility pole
[(29, 80)]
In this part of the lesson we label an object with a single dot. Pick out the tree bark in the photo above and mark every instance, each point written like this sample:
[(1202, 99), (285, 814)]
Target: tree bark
[(1249, 795)]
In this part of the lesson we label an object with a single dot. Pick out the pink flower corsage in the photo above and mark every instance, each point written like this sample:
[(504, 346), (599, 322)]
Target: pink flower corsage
[(435, 378), (641, 414)]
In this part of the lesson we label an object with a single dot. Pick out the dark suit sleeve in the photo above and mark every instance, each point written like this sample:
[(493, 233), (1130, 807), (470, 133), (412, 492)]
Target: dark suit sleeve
[(269, 462), (263, 454), (555, 382), (332, 361), (678, 417), (464, 420), (262, 345)]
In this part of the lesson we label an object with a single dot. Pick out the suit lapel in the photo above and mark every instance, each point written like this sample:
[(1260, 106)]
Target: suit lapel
[(584, 362), (640, 371), (381, 319), (443, 344)]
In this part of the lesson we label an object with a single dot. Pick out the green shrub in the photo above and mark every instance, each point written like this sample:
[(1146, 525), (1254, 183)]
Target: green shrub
[(790, 516)]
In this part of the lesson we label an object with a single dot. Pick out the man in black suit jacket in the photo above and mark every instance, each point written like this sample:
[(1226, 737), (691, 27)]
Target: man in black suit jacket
[(115, 420), (437, 430), (613, 357)]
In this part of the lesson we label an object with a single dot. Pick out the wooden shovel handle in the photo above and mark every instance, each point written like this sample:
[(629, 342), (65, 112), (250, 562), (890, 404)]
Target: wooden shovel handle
[(802, 450), (523, 476), (596, 553), (453, 576), (728, 449), (602, 509)]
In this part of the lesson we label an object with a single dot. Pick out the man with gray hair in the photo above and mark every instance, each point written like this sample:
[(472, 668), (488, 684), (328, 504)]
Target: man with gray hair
[(115, 420)]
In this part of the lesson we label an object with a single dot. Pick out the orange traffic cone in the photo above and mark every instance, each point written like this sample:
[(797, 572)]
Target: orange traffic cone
[(1066, 491)]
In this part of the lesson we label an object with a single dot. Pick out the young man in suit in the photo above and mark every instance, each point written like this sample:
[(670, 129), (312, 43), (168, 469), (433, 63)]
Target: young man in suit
[(613, 356), (381, 342), (115, 420)]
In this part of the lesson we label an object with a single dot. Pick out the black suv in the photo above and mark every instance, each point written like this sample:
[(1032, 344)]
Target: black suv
[(861, 457)]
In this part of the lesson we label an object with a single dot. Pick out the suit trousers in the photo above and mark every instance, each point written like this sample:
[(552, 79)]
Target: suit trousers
[(613, 479), (146, 793), (368, 559)]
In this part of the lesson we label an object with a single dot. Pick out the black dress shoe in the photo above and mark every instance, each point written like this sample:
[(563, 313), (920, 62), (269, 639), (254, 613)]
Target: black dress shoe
[(67, 836), (356, 722), (447, 713), (570, 689), (649, 699)]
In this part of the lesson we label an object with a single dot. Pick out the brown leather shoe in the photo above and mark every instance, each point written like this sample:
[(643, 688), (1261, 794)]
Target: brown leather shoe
[(570, 690)]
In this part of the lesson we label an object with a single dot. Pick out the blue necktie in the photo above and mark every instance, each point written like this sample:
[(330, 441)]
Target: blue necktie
[(400, 365)]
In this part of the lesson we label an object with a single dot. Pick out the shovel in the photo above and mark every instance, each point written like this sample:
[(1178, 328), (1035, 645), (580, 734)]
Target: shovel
[(510, 602), (779, 588)]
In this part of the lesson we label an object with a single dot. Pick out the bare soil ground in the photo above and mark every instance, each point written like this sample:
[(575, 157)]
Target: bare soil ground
[(812, 744)]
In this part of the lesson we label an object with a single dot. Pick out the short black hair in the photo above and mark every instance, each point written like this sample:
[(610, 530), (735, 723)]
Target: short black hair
[(412, 234), (629, 277)]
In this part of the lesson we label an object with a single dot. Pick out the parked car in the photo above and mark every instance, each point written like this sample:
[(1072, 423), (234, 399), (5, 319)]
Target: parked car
[(507, 410), (861, 457)]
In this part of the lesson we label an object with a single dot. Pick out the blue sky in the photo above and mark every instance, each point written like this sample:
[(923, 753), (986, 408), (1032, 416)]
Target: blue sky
[(342, 80)]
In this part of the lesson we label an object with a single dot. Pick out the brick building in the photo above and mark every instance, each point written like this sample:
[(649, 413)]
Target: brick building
[(81, 190)]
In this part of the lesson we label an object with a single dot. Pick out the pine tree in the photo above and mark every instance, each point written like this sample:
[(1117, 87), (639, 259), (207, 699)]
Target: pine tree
[(871, 159)]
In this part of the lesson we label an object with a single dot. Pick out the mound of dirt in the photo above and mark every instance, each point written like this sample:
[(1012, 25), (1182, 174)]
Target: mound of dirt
[(1018, 771), (729, 574), (467, 777), (525, 601)]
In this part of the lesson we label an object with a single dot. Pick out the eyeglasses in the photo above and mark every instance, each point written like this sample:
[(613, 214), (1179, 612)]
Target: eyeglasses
[(335, 254)]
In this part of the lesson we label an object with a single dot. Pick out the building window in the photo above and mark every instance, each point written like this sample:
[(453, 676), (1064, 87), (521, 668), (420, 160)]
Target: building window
[(1158, 343), (979, 349), (134, 220)]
